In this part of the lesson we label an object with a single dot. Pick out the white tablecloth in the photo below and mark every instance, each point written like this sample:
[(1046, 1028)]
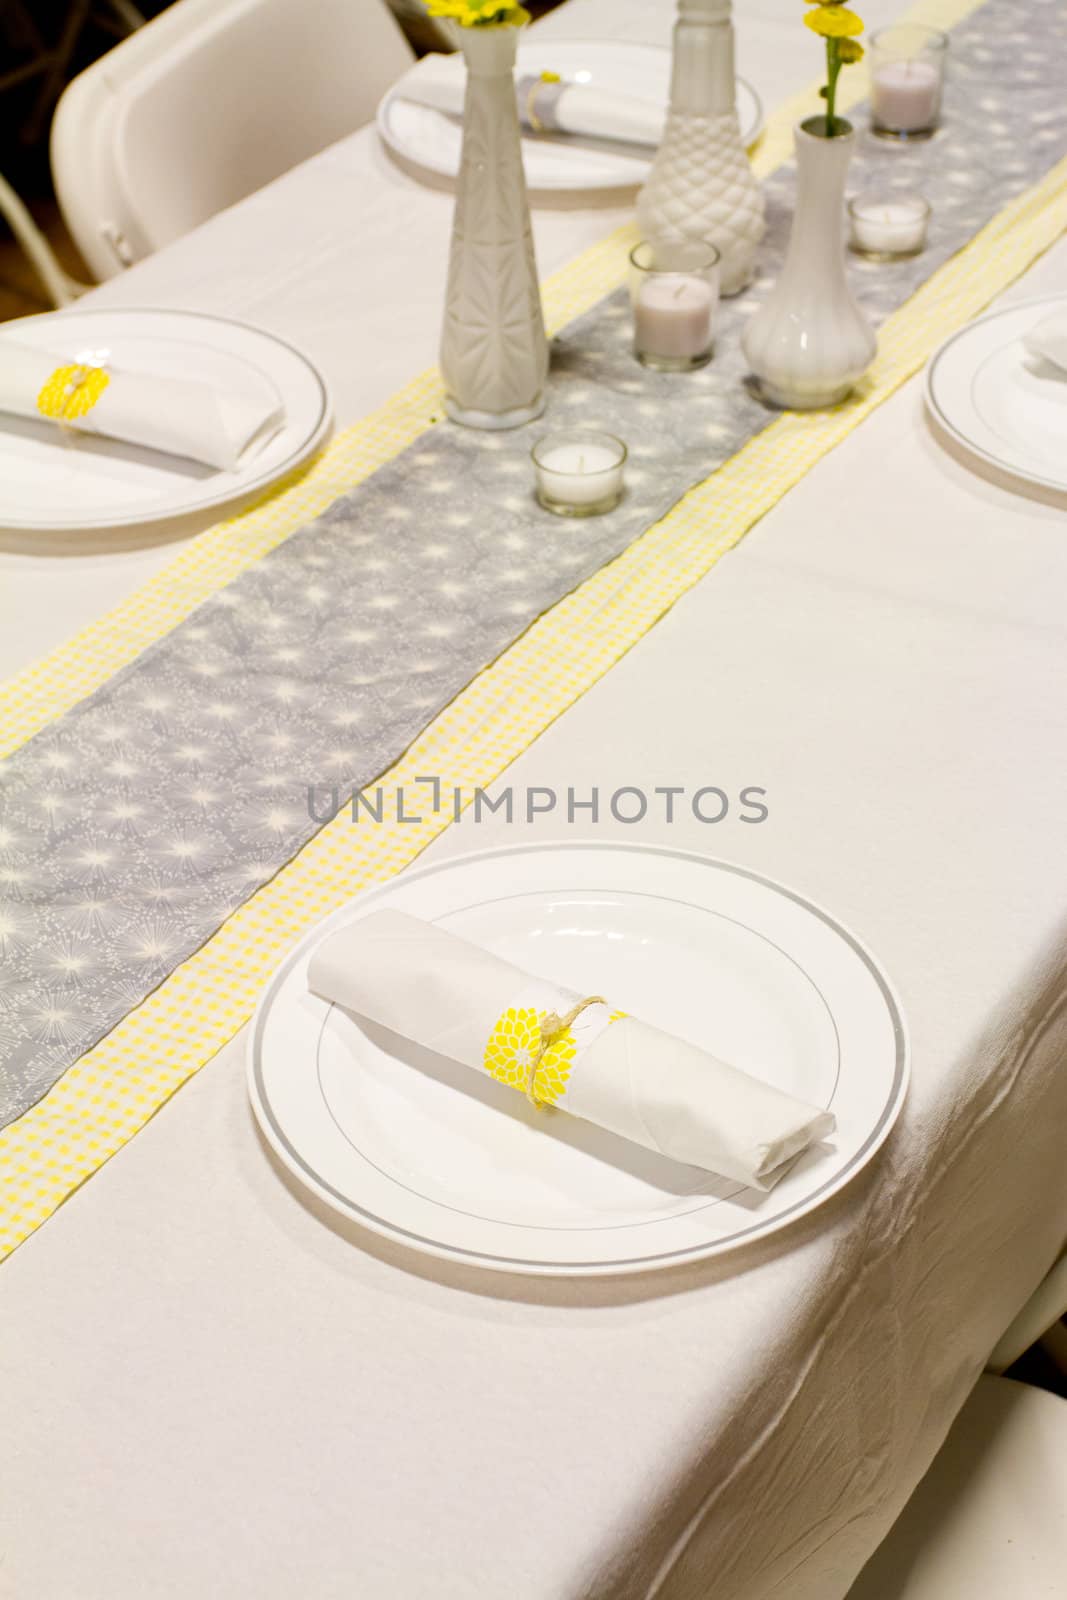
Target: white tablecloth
[(210, 1391)]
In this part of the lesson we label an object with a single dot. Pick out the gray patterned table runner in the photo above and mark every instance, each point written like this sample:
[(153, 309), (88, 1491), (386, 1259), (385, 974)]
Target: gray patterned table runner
[(132, 827)]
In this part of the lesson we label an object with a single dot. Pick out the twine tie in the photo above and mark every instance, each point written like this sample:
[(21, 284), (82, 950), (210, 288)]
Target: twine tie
[(552, 1025)]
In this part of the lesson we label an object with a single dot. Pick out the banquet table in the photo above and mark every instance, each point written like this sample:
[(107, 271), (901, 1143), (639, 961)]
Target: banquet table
[(210, 1388)]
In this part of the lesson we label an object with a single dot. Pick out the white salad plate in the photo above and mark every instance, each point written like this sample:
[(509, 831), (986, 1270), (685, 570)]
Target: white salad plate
[(55, 480), (1001, 404), (430, 140), (449, 1162)]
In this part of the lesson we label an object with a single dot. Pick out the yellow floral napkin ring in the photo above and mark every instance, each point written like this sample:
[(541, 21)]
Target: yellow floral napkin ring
[(72, 392), (533, 1050), (531, 99)]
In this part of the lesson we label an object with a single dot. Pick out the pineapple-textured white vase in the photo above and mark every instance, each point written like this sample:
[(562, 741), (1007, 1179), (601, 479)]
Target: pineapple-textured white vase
[(809, 342), (494, 354), (701, 185)]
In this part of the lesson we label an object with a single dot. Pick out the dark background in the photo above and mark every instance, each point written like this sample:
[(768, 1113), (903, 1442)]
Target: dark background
[(43, 44)]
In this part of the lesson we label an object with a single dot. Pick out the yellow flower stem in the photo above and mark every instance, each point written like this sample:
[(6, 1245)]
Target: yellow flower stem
[(833, 67)]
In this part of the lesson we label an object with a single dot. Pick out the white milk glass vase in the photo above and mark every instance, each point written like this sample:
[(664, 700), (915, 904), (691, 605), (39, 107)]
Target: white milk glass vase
[(701, 185), (809, 343), (494, 354)]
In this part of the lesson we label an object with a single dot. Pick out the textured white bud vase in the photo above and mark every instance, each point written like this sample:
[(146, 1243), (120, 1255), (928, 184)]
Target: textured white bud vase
[(494, 354), (809, 342), (701, 185)]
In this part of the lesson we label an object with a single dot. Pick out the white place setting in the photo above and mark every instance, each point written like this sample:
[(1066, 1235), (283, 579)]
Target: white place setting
[(602, 132), (217, 411), (427, 1156), (999, 388)]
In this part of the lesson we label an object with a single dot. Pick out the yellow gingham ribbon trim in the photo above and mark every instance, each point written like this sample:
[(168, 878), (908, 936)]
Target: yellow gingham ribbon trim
[(107, 1096), (72, 392)]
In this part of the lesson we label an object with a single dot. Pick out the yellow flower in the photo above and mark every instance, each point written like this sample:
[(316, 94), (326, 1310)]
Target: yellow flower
[(480, 13), (833, 21), (513, 1045), (850, 51)]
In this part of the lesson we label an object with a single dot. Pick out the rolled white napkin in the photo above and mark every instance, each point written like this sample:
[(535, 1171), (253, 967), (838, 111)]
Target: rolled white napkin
[(1048, 338), (463, 1002), (179, 416), (439, 81)]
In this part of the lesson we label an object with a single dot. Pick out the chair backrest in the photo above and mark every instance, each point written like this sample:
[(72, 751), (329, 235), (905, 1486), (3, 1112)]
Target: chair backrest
[(207, 103)]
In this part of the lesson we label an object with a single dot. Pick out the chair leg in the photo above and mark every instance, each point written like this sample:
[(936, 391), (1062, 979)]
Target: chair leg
[(127, 14), (61, 288), (59, 62)]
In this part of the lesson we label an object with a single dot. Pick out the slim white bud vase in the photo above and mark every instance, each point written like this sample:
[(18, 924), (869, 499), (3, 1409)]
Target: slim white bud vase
[(494, 354), (809, 343), (701, 185)]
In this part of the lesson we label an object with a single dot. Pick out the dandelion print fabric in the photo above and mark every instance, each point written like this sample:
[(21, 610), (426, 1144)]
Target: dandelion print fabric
[(133, 826)]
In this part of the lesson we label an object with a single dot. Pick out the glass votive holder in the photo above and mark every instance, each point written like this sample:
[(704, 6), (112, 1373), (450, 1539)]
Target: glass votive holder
[(907, 80), (674, 290), (579, 473), (888, 227)]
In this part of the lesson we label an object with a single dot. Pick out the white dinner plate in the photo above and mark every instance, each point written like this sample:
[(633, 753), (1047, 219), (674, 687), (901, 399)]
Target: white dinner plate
[(1000, 403), (56, 481), (431, 140), (451, 1163)]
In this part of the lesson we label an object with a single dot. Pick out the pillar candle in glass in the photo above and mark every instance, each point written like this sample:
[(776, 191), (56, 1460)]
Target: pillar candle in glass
[(579, 472), (907, 80), (674, 291)]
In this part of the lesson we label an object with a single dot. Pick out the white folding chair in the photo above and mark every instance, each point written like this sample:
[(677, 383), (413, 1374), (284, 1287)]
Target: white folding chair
[(989, 1520), (207, 103), (60, 287)]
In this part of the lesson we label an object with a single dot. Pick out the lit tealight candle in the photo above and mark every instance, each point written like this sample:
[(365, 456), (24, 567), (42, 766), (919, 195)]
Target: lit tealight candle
[(888, 229), (674, 288), (579, 474)]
